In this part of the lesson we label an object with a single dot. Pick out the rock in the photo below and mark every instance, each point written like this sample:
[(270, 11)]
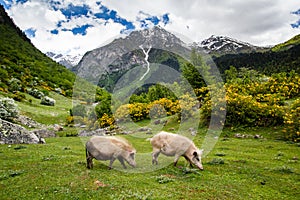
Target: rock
[(156, 122), (58, 127), (48, 101), (126, 132), (144, 129), (257, 136), (238, 135), (86, 133), (26, 121), (15, 134), (42, 141), (193, 131), (44, 133)]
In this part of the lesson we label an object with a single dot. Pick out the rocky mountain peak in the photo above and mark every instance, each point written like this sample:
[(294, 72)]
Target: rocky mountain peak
[(224, 45), (69, 61), (122, 53)]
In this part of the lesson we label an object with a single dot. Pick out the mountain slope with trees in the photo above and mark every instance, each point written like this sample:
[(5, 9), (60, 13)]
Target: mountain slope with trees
[(266, 62), (288, 44), (23, 66)]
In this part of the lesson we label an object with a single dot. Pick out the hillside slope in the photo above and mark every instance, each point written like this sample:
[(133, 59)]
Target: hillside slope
[(288, 44), (23, 66), (266, 62)]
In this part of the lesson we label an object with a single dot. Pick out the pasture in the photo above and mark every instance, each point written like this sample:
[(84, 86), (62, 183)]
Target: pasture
[(235, 169)]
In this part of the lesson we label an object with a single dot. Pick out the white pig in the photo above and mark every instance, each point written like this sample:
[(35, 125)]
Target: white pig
[(171, 144), (109, 148)]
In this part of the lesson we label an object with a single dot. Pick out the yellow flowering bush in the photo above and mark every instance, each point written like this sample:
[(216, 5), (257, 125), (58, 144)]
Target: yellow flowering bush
[(188, 106), (135, 111), (292, 122), (106, 121), (166, 105)]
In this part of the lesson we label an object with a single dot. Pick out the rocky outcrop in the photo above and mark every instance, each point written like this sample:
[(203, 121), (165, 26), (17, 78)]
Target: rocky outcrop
[(86, 133), (44, 133), (15, 134), (28, 122)]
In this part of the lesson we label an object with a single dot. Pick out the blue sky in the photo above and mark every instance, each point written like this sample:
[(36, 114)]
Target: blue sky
[(77, 26), (296, 24)]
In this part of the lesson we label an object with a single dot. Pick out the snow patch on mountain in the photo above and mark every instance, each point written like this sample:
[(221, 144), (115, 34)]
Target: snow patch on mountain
[(224, 44), (68, 61)]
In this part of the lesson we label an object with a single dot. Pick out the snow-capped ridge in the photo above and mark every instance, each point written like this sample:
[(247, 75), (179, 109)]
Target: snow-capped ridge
[(68, 61), (224, 44)]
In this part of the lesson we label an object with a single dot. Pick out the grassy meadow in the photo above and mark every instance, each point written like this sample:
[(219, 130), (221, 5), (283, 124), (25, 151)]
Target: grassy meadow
[(235, 169)]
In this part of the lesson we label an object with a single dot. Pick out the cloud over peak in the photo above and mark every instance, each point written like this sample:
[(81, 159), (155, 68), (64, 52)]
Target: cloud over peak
[(77, 26)]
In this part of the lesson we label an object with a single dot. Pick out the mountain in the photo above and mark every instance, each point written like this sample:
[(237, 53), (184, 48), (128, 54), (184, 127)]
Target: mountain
[(23, 66), (68, 61), (123, 54), (269, 62), (288, 44), (105, 65), (220, 45)]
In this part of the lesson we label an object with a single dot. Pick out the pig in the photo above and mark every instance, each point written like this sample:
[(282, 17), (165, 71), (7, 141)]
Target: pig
[(171, 144), (109, 148)]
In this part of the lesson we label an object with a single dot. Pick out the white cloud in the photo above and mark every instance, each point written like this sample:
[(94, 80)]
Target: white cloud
[(67, 43), (260, 22)]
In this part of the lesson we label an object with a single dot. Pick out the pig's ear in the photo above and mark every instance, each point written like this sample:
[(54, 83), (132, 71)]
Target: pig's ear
[(201, 151), (132, 152)]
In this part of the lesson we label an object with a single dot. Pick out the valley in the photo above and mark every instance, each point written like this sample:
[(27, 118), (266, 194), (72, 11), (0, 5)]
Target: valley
[(238, 101)]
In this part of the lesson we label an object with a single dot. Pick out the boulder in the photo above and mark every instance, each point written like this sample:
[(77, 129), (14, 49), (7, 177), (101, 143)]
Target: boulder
[(26, 121), (44, 133), (15, 134), (86, 133)]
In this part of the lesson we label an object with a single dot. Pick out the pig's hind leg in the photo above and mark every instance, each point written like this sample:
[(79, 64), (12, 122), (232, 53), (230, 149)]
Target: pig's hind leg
[(111, 162), (155, 155), (176, 159)]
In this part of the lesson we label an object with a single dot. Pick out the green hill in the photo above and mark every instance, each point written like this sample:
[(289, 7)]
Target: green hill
[(266, 62), (23, 66), (288, 44)]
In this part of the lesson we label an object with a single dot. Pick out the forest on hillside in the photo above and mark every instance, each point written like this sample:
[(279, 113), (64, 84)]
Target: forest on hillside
[(252, 99)]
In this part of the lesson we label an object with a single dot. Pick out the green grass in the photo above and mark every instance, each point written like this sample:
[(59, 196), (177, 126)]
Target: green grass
[(46, 114), (249, 169)]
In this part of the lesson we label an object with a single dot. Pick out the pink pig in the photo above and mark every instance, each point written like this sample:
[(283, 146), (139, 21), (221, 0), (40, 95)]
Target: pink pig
[(171, 144)]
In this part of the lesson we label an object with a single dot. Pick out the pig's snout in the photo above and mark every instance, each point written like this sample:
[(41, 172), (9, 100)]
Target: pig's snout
[(133, 164), (200, 167)]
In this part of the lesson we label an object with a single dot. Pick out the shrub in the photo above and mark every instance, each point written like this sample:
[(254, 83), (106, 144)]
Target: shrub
[(188, 106), (244, 109), (8, 109), (18, 96), (136, 111), (70, 120), (103, 107), (164, 105), (157, 111), (36, 93), (79, 110), (47, 101), (106, 121), (122, 113), (292, 122), (14, 85)]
